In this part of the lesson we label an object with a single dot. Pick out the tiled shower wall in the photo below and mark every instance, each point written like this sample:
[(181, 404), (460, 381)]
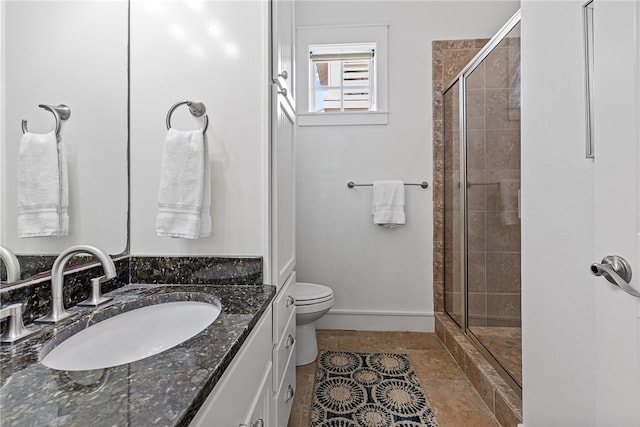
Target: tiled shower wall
[(449, 57), (493, 163)]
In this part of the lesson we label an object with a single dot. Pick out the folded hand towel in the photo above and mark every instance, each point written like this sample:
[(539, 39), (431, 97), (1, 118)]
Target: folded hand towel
[(184, 197), (388, 203), (43, 189)]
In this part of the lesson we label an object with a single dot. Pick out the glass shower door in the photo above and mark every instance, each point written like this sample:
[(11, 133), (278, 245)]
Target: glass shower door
[(482, 201), (493, 203)]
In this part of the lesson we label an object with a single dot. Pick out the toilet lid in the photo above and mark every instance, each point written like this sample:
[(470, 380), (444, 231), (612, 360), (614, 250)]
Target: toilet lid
[(312, 292)]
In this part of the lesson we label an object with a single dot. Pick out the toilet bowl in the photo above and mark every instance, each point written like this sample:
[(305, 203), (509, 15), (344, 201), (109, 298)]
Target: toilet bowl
[(312, 302)]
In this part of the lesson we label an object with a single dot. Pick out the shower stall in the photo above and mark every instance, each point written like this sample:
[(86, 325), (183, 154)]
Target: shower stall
[(481, 139)]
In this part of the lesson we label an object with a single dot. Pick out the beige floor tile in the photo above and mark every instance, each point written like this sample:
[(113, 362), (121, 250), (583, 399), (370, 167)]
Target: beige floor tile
[(370, 342), (326, 340), (420, 341), (450, 394), (434, 365), (456, 404)]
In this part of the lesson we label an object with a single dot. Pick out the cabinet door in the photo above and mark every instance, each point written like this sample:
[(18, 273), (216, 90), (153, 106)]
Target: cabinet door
[(282, 189), (283, 33), (260, 411), (233, 398)]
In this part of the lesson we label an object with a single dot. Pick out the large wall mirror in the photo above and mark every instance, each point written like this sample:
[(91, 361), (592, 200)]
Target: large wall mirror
[(73, 53)]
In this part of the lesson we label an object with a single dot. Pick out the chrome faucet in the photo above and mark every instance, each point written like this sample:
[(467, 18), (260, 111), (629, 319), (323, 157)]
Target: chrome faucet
[(57, 311), (12, 264)]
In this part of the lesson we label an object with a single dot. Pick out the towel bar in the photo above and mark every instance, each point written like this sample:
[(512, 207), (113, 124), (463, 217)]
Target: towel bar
[(60, 112), (350, 184), (196, 108)]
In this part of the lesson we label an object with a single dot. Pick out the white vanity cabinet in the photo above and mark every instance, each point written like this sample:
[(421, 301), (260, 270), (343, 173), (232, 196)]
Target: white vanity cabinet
[(284, 346), (283, 225), (243, 396)]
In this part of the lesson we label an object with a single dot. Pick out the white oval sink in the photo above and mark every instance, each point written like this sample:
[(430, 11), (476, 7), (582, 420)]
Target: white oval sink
[(132, 336)]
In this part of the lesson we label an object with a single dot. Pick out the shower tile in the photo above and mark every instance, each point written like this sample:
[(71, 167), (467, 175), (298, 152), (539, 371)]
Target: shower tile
[(481, 383), (501, 235), (451, 150), (438, 225), (494, 179), (418, 341), (438, 261), (497, 111), (481, 374), (479, 43), (476, 192), (437, 105), (505, 410), (457, 404), (438, 140), (454, 61), (477, 308), (503, 272), (450, 244), (438, 296), (476, 78), (476, 149), (476, 109), (503, 309), (477, 271), (434, 365), (477, 231), (503, 149), (448, 270), (497, 67)]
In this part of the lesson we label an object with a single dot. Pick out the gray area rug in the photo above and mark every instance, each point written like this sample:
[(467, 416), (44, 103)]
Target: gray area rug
[(368, 390)]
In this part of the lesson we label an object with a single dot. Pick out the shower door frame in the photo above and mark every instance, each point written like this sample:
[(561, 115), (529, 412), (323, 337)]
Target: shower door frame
[(461, 80)]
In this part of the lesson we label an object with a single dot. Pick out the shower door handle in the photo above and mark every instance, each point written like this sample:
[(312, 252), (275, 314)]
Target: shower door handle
[(617, 271)]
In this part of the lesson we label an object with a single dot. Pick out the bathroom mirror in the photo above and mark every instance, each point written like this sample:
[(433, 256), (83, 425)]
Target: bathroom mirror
[(73, 53)]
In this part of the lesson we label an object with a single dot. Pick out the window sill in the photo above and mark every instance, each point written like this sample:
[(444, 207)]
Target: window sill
[(343, 119)]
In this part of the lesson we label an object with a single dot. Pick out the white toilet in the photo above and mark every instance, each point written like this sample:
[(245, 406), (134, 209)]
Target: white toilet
[(312, 302)]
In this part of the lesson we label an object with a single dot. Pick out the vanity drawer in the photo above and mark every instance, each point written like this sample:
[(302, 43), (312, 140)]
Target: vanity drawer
[(283, 306), (286, 394), (284, 352)]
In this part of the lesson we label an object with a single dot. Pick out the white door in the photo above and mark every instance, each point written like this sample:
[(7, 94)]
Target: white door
[(617, 210)]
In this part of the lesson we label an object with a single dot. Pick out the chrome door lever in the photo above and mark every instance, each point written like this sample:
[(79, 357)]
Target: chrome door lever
[(617, 271)]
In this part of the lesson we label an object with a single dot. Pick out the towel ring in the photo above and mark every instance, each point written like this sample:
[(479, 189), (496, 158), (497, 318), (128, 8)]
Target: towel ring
[(60, 112), (196, 108)]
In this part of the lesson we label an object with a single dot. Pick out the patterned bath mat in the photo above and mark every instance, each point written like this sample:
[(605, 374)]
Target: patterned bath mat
[(368, 390)]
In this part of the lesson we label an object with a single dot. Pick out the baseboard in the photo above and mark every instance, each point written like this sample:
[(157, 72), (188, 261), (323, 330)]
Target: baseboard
[(368, 320)]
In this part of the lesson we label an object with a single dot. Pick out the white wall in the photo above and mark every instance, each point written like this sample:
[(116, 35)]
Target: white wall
[(382, 278), (557, 221), (73, 53), (215, 52)]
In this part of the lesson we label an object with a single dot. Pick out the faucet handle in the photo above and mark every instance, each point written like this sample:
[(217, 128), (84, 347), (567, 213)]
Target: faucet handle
[(96, 298), (15, 327)]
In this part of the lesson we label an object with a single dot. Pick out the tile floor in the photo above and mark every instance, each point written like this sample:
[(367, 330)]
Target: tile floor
[(449, 392)]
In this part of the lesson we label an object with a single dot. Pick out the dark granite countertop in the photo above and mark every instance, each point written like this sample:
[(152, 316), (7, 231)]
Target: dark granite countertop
[(162, 390)]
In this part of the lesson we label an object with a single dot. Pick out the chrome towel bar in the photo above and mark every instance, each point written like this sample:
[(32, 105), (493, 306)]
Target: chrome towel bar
[(350, 184), (196, 108)]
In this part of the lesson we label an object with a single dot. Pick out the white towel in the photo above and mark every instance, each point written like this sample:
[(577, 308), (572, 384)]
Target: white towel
[(184, 198), (388, 203), (509, 202), (43, 188)]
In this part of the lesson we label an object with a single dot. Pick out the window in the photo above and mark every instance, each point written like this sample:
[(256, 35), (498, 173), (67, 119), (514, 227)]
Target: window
[(343, 78), (342, 75)]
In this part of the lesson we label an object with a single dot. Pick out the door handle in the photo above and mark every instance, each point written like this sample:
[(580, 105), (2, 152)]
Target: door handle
[(617, 271)]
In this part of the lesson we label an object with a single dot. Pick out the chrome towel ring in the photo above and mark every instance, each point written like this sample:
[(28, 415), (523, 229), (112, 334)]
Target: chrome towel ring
[(196, 108), (60, 112)]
